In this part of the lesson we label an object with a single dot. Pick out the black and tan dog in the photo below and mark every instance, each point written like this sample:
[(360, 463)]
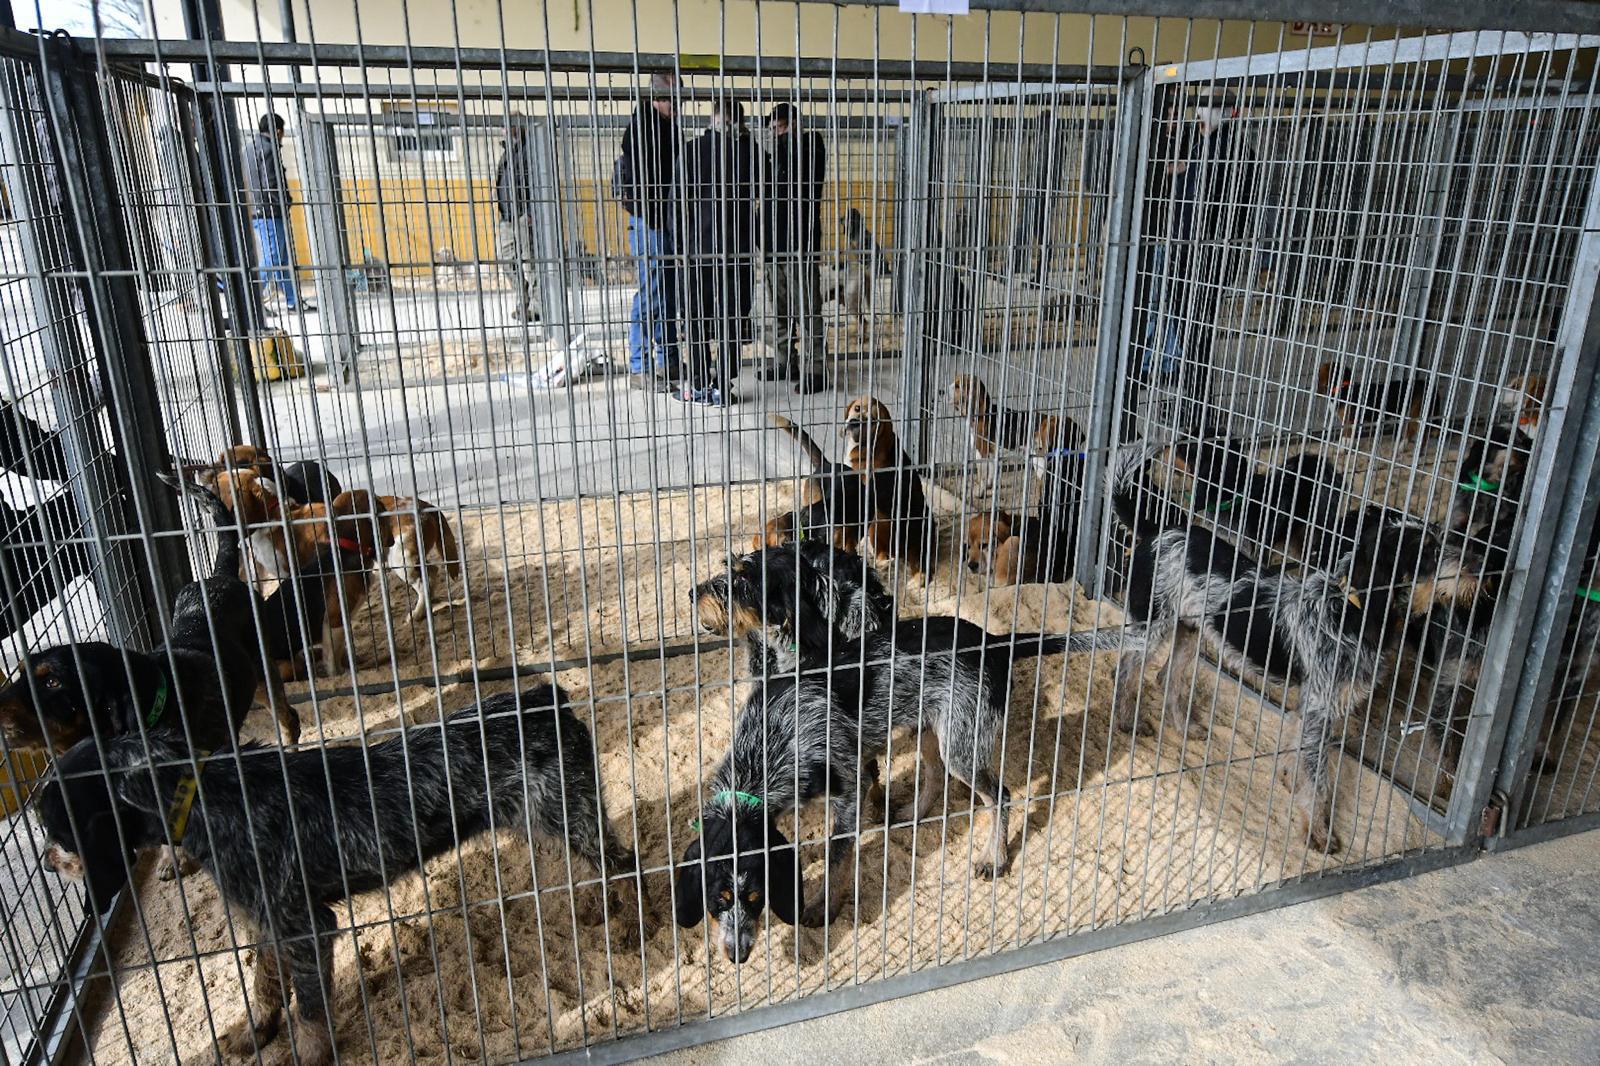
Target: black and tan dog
[(1021, 550), (287, 835), (203, 676), (836, 501), (901, 525), (1359, 402)]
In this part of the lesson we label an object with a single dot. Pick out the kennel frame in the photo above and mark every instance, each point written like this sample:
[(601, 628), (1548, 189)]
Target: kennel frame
[(1572, 515)]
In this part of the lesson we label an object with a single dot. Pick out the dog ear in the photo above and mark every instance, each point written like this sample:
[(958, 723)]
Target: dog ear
[(690, 890), (786, 893), (105, 859)]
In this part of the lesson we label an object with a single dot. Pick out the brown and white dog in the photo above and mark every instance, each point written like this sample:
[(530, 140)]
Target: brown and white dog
[(281, 532), (900, 525), (416, 539), (1522, 398), (997, 429)]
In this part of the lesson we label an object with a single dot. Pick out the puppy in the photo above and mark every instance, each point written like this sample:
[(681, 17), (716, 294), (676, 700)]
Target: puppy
[(836, 498), (1522, 401), (210, 662), (1358, 402), (792, 603), (417, 541), (1325, 631), (997, 429), (805, 737), (330, 822), (901, 525), (860, 264)]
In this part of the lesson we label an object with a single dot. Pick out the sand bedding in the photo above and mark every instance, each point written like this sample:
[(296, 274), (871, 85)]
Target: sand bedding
[(468, 960)]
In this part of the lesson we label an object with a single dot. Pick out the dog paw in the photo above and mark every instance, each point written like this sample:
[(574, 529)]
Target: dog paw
[(821, 912), (1320, 837), (244, 1038)]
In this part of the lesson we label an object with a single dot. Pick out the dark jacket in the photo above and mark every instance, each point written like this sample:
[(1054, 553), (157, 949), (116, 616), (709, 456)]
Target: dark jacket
[(264, 181), (721, 176), (645, 174), (513, 178), (794, 193), (1211, 197)]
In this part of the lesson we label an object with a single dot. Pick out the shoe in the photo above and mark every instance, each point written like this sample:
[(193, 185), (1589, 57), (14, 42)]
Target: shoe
[(777, 371), (717, 398), (303, 309), (811, 383)]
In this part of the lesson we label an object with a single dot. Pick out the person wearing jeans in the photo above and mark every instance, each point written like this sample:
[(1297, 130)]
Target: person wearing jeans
[(645, 181), (267, 187)]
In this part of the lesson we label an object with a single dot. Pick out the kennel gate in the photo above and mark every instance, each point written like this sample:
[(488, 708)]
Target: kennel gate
[(967, 189)]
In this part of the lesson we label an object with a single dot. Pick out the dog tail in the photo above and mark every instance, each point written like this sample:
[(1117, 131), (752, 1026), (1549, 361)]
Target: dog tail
[(227, 561), (452, 550), (1106, 638), (1140, 506), (819, 458)]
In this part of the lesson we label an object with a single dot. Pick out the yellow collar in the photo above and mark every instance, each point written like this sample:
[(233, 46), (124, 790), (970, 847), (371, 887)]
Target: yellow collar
[(183, 802)]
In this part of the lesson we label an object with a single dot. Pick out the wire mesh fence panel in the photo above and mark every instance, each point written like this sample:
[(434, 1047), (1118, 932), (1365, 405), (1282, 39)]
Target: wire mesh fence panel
[(682, 532)]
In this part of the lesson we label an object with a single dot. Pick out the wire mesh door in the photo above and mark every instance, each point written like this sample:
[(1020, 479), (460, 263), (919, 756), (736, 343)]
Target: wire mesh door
[(1326, 309)]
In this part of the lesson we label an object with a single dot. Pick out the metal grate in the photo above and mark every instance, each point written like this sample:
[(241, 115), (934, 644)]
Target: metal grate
[(1110, 289)]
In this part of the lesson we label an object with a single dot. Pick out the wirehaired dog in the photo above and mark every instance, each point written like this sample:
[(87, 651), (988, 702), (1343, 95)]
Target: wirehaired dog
[(285, 835), (821, 735), (900, 525), (1324, 631), (794, 603), (1493, 474), (210, 662)]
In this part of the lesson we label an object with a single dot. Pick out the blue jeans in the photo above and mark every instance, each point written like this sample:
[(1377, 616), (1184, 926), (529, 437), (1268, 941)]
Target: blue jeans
[(272, 252), (653, 323)]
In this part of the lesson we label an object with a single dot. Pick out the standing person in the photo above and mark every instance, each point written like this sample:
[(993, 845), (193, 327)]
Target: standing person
[(1208, 185), (267, 187), (513, 194), (644, 180), (791, 246), (720, 176)]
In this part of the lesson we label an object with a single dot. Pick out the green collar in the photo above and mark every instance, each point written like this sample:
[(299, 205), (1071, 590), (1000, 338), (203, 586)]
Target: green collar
[(159, 705), (1217, 508), (742, 799), (1478, 483), (1589, 594)]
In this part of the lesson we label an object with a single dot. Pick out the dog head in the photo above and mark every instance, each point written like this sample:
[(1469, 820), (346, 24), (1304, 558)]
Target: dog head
[(1333, 379), (969, 396), (57, 709), (251, 497), (869, 435), (764, 591), (80, 806), (985, 534), (854, 227), (1490, 483), (740, 865), (358, 521), (1393, 553)]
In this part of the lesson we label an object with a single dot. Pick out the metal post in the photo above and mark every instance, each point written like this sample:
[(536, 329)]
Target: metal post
[(218, 140), (64, 357), (98, 239), (324, 218), (1560, 511), (549, 245), (211, 258), (914, 232), (1116, 309)]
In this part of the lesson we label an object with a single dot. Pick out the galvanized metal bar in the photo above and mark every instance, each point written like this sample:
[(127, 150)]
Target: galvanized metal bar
[(1499, 747), (1114, 344), (325, 222), (1369, 54), (549, 238), (99, 245), (914, 230)]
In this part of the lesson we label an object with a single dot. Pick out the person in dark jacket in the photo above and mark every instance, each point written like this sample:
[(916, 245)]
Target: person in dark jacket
[(791, 248), (721, 176), (267, 187), (645, 181), (513, 194), (1190, 257)]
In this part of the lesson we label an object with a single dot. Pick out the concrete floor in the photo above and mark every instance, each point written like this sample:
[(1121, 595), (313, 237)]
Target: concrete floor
[(1493, 961)]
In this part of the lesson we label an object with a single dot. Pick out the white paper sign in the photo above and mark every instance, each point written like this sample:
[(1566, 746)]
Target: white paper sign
[(934, 7)]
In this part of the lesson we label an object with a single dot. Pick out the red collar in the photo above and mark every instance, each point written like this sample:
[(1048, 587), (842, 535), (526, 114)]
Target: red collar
[(355, 546)]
